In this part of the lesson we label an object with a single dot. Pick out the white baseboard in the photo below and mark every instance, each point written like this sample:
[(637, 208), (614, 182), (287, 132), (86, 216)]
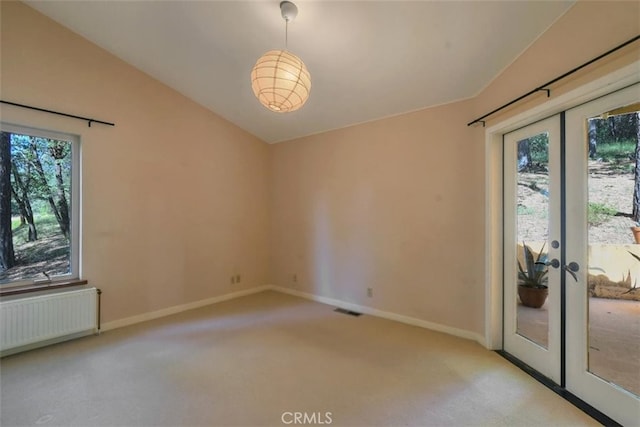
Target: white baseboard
[(462, 333), (33, 346), (324, 300), (179, 308)]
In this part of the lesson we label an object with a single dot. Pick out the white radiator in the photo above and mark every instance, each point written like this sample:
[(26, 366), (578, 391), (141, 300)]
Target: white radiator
[(41, 318)]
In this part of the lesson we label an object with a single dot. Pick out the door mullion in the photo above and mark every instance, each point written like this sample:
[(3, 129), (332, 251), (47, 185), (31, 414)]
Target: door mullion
[(563, 251)]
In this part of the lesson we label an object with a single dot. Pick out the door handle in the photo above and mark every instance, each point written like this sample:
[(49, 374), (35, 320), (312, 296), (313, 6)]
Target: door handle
[(572, 268), (553, 263)]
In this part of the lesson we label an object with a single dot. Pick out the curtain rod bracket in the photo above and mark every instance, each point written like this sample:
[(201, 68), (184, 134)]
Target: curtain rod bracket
[(546, 90)]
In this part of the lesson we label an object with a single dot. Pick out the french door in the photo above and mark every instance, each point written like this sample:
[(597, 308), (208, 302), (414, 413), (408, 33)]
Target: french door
[(532, 223), (568, 187)]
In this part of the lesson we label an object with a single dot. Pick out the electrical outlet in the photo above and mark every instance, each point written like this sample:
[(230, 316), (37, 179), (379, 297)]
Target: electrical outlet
[(238, 278), (295, 278), (370, 292)]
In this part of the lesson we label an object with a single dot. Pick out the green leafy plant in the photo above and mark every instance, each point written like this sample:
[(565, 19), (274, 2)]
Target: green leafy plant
[(599, 213), (534, 276), (616, 151)]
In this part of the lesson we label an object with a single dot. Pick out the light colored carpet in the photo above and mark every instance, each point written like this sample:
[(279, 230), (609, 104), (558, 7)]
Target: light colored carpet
[(246, 362)]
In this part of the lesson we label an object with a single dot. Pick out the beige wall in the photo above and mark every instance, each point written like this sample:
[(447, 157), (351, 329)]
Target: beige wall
[(398, 204), (386, 205), (175, 199)]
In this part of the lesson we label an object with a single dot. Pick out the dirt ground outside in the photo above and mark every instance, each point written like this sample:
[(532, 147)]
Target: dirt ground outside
[(608, 187), (610, 197)]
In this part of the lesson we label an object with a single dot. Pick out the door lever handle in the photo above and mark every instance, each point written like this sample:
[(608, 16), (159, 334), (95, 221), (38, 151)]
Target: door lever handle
[(572, 268), (553, 263)]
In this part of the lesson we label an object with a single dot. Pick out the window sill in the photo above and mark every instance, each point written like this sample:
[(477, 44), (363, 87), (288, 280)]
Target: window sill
[(41, 287)]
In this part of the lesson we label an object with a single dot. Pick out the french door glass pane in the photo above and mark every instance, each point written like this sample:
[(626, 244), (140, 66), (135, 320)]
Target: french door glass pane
[(532, 225), (614, 258)]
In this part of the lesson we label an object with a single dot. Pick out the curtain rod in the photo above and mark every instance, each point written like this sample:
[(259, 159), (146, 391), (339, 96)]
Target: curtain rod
[(544, 87), (86, 119)]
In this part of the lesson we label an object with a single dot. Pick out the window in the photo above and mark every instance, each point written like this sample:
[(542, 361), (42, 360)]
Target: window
[(39, 206)]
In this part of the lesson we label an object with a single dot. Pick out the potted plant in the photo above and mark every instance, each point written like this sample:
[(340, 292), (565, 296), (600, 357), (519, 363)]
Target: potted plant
[(636, 232), (532, 281)]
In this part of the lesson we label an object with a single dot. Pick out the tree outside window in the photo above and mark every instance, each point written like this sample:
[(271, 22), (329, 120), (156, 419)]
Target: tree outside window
[(36, 237)]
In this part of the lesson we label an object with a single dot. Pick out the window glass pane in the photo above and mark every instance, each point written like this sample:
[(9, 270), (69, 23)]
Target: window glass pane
[(532, 222), (35, 208), (614, 256)]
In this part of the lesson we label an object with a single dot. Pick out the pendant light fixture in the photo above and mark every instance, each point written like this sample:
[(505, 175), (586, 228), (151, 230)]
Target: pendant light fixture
[(280, 80)]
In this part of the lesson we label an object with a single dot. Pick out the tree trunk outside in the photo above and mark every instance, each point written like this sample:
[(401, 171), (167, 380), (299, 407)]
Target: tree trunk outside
[(592, 139), (524, 154), (21, 196), (64, 227), (63, 205), (23, 216), (7, 256), (611, 122), (636, 189)]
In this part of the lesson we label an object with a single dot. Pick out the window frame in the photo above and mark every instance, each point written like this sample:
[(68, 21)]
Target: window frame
[(75, 198)]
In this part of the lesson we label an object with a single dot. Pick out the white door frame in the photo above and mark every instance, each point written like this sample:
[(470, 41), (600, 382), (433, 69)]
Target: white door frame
[(619, 79)]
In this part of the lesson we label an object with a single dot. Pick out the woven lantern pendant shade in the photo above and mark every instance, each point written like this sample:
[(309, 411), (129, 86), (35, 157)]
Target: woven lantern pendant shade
[(281, 81)]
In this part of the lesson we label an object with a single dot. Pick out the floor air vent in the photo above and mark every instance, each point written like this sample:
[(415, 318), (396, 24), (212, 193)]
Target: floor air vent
[(349, 312)]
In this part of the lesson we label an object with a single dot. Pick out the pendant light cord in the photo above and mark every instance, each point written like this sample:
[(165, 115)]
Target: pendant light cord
[(286, 34)]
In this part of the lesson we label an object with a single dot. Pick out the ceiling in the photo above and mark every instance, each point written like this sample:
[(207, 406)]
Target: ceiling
[(367, 59)]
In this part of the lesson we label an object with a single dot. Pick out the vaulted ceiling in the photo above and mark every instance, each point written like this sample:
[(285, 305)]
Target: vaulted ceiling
[(367, 59)]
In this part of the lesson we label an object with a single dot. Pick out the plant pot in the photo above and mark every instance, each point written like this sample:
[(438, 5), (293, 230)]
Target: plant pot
[(636, 233), (532, 297)]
